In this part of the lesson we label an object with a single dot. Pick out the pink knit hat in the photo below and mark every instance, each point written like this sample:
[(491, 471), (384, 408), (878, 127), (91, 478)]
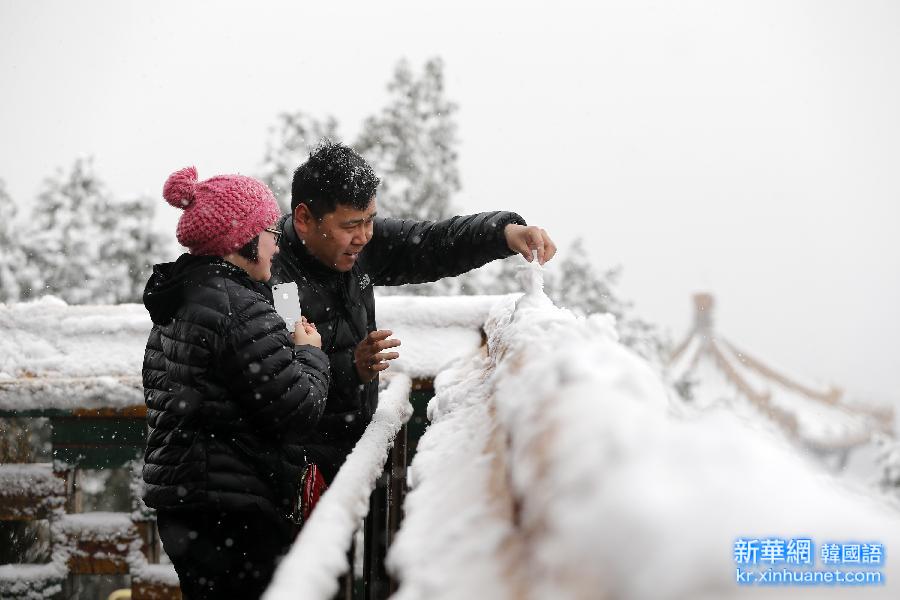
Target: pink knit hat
[(222, 213)]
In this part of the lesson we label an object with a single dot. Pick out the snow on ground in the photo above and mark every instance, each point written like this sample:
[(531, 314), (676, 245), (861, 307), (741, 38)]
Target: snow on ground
[(558, 466)]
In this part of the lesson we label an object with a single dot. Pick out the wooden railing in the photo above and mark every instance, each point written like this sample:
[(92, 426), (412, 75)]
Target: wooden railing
[(80, 543), (368, 488)]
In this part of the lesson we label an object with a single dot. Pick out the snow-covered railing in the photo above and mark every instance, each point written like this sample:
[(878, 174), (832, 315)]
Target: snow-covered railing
[(318, 558), (560, 466)]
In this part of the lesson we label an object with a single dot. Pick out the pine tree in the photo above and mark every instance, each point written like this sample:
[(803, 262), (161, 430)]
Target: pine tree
[(83, 247), (12, 259), (584, 289), (132, 249), (573, 282), (497, 277), (290, 141), (581, 287), (63, 235), (412, 145)]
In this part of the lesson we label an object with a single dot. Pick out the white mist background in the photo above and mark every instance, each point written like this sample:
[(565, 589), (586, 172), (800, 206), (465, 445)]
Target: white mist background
[(750, 149)]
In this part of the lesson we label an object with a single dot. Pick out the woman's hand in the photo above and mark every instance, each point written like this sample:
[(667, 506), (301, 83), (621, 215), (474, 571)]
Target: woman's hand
[(305, 333)]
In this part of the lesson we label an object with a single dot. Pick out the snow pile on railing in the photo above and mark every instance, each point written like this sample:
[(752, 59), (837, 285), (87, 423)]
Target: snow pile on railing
[(30, 479), (96, 526), (32, 581), (559, 467), (319, 556)]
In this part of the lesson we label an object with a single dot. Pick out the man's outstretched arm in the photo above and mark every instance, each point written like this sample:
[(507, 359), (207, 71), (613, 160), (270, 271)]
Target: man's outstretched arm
[(405, 251)]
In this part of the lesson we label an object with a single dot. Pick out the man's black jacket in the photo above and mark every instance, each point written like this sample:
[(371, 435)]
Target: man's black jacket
[(342, 305), (228, 394)]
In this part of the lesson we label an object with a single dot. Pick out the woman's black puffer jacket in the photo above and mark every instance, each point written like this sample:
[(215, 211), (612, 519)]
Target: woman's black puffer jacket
[(228, 394)]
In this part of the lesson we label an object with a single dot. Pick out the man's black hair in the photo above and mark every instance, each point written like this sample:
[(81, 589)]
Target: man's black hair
[(334, 174), (250, 250)]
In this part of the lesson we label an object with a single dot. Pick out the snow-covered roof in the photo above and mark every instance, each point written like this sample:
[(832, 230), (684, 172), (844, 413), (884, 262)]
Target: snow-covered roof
[(816, 415), (53, 355), (59, 356)]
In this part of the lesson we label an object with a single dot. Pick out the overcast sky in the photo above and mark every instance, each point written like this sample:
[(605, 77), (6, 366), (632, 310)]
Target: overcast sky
[(750, 149)]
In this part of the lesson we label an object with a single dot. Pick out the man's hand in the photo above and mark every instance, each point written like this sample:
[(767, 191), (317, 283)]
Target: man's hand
[(524, 239), (369, 357)]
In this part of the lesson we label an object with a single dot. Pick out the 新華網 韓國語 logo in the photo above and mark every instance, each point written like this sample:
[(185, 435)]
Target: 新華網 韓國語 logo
[(799, 561)]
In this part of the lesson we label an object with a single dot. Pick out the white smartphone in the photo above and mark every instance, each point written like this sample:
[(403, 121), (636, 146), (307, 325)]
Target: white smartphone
[(287, 303)]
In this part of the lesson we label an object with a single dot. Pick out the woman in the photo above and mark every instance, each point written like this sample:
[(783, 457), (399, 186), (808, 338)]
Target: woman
[(228, 391)]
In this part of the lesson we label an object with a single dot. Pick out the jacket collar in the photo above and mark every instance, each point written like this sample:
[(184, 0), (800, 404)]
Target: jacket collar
[(165, 290)]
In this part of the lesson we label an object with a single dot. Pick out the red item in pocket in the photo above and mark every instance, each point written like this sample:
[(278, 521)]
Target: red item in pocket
[(313, 487)]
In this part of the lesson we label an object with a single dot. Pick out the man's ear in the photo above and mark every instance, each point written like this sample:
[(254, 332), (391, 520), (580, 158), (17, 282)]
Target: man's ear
[(303, 219)]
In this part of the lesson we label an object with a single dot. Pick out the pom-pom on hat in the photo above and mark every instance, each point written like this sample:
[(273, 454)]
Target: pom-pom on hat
[(222, 213)]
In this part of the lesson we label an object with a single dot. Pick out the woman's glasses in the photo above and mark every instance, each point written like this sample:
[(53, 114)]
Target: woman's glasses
[(277, 233)]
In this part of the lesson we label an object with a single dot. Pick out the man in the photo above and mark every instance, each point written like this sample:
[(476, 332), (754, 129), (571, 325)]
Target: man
[(336, 249)]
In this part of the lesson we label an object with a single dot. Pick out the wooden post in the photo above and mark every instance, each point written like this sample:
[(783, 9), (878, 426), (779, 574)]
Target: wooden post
[(396, 494), (376, 584)]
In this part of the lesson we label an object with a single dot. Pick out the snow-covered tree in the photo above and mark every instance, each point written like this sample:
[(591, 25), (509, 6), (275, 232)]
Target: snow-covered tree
[(63, 235), (577, 284), (582, 287), (133, 247), (291, 139), (572, 282), (412, 144), (12, 258), (84, 247)]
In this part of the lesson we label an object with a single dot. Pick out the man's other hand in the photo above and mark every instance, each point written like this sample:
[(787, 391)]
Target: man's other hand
[(369, 357), (524, 240)]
